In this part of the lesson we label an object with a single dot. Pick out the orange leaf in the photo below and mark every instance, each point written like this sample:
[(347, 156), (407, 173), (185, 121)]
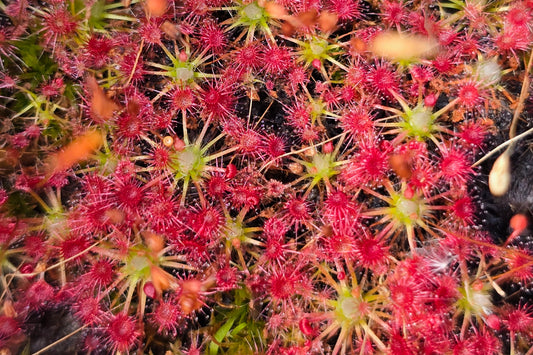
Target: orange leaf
[(189, 298), (102, 107), (327, 21), (160, 279), (156, 8), (153, 241), (357, 46), (275, 10), (287, 28), (308, 18), (170, 29), (397, 46), (77, 150), (401, 165)]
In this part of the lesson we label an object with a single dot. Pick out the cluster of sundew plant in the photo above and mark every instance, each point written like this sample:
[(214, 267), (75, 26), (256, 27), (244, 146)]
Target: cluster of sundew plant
[(278, 177)]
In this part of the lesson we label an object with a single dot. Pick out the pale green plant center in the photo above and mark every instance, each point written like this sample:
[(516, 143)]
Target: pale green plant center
[(138, 264), (407, 211), (187, 160), (317, 48), (321, 162), (420, 121), (407, 207), (349, 308), (183, 74), (317, 107), (253, 12), (478, 302), (233, 230), (56, 223), (190, 162), (489, 72), (321, 167)]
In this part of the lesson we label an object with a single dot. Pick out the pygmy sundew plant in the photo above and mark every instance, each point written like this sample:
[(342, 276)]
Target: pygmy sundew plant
[(265, 177)]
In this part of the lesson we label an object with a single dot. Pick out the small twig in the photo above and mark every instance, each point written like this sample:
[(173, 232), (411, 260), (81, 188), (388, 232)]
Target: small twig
[(503, 145), (61, 262), (513, 138), (521, 99), (60, 340), (135, 64), (267, 164)]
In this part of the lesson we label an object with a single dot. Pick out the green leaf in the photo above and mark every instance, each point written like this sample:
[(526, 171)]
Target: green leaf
[(54, 130), (97, 19), (20, 204), (238, 328), (221, 334), (71, 92), (39, 64)]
